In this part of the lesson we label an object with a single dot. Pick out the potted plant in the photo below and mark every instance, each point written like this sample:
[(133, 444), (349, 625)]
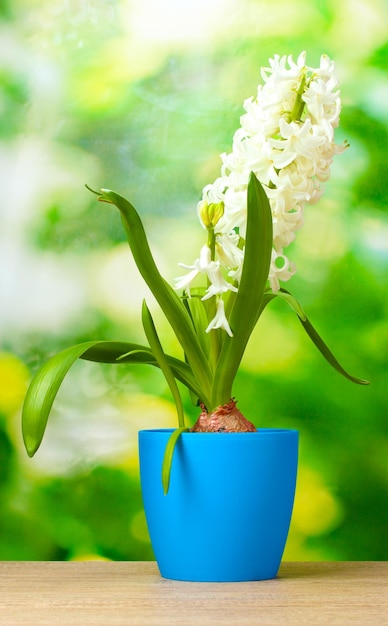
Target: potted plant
[(218, 496)]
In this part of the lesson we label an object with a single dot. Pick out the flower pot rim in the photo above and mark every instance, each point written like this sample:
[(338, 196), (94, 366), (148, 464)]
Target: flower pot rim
[(259, 431)]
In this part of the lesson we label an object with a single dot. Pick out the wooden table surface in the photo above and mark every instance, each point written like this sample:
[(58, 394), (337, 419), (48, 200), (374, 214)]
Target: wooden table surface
[(110, 593)]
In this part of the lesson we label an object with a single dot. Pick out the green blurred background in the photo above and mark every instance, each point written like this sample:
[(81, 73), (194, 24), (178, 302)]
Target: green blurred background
[(142, 96)]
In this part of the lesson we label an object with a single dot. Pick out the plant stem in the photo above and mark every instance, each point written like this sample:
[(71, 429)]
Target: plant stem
[(299, 104), (211, 242)]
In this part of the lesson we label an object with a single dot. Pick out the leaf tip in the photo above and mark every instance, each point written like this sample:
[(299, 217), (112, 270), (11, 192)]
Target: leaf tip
[(92, 190), (31, 446), (165, 481), (103, 194)]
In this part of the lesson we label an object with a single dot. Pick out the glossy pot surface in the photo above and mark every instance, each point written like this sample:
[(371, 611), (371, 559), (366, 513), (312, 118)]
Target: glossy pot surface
[(228, 510)]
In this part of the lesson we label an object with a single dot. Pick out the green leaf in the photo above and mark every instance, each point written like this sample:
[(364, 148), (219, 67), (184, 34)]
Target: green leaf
[(41, 394), (157, 350), (132, 353), (326, 352), (248, 300), (199, 312), (313, 334), (166, 297), (168, 456), (292, 302), (45, 384), (118, 352)]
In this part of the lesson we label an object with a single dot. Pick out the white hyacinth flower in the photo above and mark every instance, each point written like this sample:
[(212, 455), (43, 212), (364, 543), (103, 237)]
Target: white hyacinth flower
[(219, 320), (212, 269), (286, 139)]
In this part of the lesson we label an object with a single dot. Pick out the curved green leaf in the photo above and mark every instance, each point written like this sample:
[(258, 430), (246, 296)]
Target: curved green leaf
[(41, 394), (47, 381), (292, 302), (168, 456), (157, 350), (247, 302), (313, 334), (118, 352), (326, 352), (197, 310), (166, 297)]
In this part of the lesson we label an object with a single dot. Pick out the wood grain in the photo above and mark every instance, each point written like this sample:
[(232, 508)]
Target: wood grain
[(111, 593)]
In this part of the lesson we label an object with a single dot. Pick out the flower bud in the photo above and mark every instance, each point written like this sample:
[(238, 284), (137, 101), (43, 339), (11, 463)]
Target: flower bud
[(211, 213)]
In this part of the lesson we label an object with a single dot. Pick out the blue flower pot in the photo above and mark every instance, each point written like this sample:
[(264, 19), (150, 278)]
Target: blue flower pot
[(227, 513)]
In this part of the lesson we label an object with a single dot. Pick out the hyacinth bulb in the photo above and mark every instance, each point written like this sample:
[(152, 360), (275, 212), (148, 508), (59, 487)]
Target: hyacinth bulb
[(224, 419)]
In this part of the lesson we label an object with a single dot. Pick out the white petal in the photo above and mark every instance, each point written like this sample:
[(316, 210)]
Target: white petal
[(219, 320)]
